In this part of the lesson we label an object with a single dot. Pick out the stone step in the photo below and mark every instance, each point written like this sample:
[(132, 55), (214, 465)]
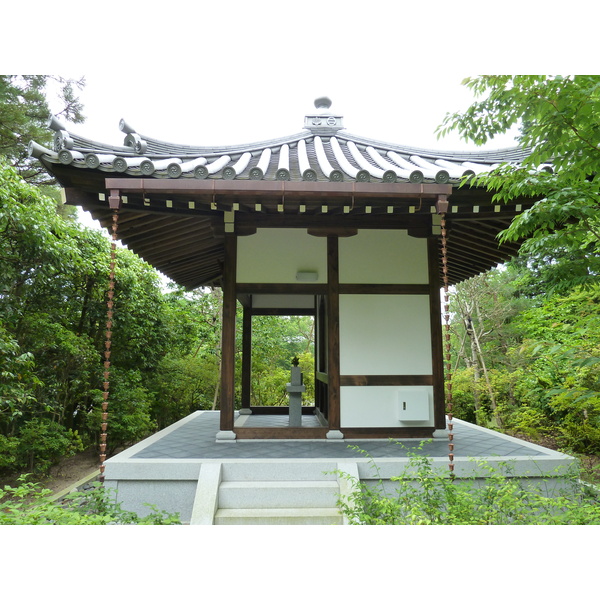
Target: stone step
[(278, 494), (278, 516), (273, 470)]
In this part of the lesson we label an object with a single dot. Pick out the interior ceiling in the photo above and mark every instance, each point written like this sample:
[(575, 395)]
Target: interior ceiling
[(185, 241)]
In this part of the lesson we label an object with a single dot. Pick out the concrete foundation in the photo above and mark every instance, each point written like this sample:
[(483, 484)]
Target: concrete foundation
[(184, 469)]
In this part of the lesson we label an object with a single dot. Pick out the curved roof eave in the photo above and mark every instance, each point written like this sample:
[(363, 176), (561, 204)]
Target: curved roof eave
[(305, 156)]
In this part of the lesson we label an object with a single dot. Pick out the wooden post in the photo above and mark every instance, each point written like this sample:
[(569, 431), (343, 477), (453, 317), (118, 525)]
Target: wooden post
[(228, 334), (333, 332), (437, 355), (246, 357)]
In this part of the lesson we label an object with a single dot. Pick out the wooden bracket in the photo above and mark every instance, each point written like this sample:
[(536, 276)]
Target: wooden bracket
[(114, 200), (442, 205)]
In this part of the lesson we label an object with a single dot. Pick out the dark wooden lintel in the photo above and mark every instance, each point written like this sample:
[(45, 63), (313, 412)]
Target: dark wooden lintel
[(378, 380), (385, 288), (418, 224), (283, 312), (77, 197), (313, 289), (282, 288), (279, 410)]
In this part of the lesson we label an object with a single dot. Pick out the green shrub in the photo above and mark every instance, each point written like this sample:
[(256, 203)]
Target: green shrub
[(528, 420), (30, 504), (129, 408), (8, 453), (42, 443), (424, 496)]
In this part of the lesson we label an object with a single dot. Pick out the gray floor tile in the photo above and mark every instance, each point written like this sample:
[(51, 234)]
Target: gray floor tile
[(197, 439)]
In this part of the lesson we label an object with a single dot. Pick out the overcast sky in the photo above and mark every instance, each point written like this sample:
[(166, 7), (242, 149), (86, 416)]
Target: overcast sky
[(208, 73), (252, 107)]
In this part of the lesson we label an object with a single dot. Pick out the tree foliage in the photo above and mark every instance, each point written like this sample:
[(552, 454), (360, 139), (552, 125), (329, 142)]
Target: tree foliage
[(275, 342), (559, 123), (24, 112), (543, 363), (52, 330), (553, 347)]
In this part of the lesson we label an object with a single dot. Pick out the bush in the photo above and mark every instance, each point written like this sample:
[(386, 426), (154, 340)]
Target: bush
[(30, 504), (8, 453), (129, 408), (182, 385), (530, 421), (42, 443), (424, 496)]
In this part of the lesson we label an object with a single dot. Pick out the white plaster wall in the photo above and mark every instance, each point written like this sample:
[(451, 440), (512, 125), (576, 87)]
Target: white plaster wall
[(276, 255), (379, 406), (385, 335), (383, 256)]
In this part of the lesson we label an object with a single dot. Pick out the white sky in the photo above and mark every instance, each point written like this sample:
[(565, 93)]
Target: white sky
[(252, 107), (225, 73)]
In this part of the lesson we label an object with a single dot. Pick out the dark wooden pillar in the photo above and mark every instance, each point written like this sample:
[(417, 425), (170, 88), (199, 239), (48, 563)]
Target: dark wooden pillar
[(246, 357), (228, 334), (437, 355), (333, 332)]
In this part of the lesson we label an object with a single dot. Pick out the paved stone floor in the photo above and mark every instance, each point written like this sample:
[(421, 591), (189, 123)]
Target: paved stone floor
[(195, 438)]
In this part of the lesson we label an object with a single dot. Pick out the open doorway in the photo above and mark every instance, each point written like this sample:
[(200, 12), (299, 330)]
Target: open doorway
[(278, 327), (276, 341)]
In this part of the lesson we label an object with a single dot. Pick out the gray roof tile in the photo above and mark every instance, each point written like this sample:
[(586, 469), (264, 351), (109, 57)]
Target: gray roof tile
[(317, 154)]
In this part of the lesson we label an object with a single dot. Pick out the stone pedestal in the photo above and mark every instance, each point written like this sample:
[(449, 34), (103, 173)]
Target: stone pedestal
[(226, 436), (295, 389)]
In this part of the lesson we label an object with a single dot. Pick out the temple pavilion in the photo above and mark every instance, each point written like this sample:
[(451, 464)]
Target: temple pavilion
[(358, 233)]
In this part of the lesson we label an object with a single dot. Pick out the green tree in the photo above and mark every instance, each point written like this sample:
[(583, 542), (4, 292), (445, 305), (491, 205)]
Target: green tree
[(561, 342), (53, 288), (559, 122), (483, 309), (24, 112)]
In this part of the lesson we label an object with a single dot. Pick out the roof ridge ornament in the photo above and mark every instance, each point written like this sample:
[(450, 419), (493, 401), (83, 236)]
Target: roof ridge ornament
[(133, 139), (323, 121)]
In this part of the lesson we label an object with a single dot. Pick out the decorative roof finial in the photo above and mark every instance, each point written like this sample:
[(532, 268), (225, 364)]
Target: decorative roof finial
[(323, 103), (323, 121)]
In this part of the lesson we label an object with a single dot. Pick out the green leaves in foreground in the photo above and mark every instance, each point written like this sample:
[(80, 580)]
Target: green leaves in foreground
[(30, 504), (423, 496), (558, 120)]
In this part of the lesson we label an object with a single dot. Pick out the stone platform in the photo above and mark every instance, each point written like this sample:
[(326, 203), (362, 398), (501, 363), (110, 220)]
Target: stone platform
[(184, 469)]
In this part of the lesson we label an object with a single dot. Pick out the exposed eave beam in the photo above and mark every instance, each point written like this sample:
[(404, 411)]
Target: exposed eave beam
[(276, 188)]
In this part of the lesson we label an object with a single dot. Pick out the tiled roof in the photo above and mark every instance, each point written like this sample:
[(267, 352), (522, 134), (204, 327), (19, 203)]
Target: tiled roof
[(319, 153), (176, 199)]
